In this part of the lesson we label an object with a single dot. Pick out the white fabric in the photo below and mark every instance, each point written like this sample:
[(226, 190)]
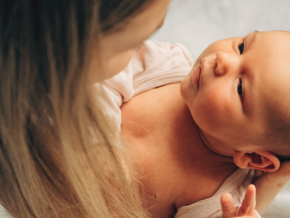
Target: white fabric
[(236, 185), (258, 214), (153, 64)]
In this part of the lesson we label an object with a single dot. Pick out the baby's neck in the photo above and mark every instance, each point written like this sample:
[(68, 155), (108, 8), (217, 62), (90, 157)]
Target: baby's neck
[(216, 146), (177, 167)]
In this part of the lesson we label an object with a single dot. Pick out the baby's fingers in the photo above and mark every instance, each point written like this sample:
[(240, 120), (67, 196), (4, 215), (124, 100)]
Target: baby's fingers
[(247, 210), (228, 207), (249, 202)]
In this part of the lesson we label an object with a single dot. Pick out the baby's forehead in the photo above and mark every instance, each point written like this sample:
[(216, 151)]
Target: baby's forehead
[(270, 88), (276, 108), (272, 52), (276, 37), (283, 32)]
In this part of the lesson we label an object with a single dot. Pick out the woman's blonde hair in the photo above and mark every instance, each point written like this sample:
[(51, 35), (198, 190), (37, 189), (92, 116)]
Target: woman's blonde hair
[(58, 156)]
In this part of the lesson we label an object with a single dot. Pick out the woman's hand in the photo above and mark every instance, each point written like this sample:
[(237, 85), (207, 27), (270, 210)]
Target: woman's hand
[(247, 210), (270, 184), (281, 176)]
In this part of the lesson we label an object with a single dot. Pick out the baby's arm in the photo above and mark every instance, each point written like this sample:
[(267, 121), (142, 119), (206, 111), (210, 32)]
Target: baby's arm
[(247, 210), (270, 184)]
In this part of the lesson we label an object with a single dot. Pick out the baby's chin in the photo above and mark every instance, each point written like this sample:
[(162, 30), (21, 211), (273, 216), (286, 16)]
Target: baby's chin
[(184, 86)]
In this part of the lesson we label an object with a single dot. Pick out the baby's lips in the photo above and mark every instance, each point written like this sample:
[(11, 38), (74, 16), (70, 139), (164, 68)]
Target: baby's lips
[(196, 76)]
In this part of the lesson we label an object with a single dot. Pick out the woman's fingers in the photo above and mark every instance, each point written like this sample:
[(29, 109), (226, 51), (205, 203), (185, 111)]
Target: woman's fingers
[(228, 207), (283, 173)]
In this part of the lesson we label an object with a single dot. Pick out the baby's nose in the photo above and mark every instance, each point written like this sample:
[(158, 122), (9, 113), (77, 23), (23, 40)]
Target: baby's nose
[(223, 62)]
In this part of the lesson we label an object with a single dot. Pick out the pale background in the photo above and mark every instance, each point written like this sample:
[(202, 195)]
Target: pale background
[(198, 23)]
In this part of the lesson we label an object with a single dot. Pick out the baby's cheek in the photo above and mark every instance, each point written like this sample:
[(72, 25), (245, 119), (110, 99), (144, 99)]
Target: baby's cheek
[(205, 112), (213, 112)]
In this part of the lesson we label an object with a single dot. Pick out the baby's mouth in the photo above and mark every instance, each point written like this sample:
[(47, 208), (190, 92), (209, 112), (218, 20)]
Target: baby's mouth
[(196, 76)]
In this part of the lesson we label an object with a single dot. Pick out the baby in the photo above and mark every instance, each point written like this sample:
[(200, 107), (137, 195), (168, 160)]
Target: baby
[(187, 139)]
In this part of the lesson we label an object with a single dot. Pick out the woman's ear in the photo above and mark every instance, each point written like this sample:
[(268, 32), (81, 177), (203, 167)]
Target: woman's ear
[(259, 160)]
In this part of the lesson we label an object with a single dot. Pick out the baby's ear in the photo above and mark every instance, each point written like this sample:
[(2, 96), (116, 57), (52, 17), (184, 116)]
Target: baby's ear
[(259, 160)]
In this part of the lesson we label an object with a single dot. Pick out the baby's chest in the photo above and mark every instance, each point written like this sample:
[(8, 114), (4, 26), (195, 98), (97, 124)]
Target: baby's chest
[(161, 136)]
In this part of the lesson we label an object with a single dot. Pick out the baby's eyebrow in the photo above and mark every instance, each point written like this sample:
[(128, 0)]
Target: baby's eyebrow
[(253, 37)]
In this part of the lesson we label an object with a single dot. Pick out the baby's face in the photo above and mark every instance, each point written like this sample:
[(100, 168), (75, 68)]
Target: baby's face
[(233, 84)]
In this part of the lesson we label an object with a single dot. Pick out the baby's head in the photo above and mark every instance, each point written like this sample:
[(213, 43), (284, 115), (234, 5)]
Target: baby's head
[(238, 93)]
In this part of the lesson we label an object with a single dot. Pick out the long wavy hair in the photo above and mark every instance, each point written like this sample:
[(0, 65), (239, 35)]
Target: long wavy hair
[(58, 156)]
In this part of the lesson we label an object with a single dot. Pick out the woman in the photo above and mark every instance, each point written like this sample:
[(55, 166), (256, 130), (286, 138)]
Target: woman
[(59, 156), (51, 51)]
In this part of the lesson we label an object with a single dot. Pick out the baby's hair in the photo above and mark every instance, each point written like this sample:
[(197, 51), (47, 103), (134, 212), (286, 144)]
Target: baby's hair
[(283, 158), (115, 12), (277, 133)]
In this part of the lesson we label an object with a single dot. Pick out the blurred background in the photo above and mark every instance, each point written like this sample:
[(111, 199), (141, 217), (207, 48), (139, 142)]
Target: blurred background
[(198, 23)]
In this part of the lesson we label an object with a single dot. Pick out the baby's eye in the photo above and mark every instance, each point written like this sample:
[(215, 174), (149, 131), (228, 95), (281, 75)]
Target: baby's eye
[(241, 48), (240, 88)]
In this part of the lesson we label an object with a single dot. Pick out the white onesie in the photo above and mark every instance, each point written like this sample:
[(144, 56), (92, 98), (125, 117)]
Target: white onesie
[(155, 64), (236, 184)]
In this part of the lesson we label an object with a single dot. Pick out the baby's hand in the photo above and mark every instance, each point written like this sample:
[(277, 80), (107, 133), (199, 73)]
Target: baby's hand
[(247, 210)]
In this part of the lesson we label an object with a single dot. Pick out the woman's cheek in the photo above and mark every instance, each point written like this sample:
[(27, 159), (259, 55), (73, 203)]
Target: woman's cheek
[(119, 62)]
